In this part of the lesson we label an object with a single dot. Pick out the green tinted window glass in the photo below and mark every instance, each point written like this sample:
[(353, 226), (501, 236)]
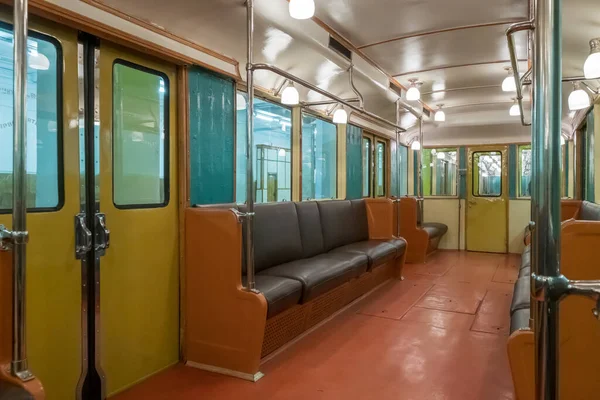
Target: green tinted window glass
[(403, 154), (272, 151), (319, 158), (487, 174), (380, 169), (366, 166), (140, 137), (440, 172), (524, 171), (44, 122)]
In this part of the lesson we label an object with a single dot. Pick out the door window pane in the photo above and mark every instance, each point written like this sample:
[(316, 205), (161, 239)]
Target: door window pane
[(524, 171), (366, 166), (440, 168), (272, 151), (380, 169), (319, 158), (487, 174), (44, 122), (140, 136)]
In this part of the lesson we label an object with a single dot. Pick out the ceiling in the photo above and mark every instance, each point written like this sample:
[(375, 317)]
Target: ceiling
[(456, 48)]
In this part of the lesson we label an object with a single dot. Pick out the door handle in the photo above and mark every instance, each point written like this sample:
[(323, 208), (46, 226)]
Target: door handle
[(102, 235), (83, 237)]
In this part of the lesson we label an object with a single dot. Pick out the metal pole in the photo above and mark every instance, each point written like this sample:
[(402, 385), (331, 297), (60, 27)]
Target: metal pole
[(420, 170), (285, 74), (520, 26), (546, 193), (19, 366), (249, 218), (361, 100), (398, 165)]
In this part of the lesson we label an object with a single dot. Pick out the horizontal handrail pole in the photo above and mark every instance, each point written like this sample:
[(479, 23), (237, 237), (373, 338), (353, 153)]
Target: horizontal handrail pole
[(285, 74)]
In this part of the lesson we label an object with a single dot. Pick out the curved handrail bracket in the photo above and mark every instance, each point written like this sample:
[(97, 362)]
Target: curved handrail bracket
[(520, 26)]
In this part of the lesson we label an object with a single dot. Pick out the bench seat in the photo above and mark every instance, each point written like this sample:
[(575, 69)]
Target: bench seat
[(378, 252), (320, 274), (521, 295), (434, 229), (280, 293), (519, 320)]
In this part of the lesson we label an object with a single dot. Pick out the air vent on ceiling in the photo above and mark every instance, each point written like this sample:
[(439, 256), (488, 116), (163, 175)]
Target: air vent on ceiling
[(339, 48)]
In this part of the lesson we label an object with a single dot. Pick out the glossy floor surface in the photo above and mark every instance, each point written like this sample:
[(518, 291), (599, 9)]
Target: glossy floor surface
[(438, 335)]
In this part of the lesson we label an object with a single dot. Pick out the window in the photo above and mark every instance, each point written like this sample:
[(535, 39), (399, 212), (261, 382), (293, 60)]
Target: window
[(44, 122), (366, 166), (439, 171), (319, 158), (524, 177), (487, 174), (140, 137), (272, 151), (380, 167)]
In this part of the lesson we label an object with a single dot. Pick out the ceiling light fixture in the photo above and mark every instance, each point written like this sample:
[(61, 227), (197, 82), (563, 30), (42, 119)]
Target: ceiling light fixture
[(441, 156), (562, 140), (515, 111), (509, 84), (413, 93), (579, 99), (302, 9), (591, 68), (440, 115), (416, 145), (340, 116), (290, 95)]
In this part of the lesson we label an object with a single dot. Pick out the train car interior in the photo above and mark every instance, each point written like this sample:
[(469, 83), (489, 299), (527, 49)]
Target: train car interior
[(293, 199)]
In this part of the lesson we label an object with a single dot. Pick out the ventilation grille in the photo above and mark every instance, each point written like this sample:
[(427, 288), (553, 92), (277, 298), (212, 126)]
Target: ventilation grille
[(339, 48), (396, 89)]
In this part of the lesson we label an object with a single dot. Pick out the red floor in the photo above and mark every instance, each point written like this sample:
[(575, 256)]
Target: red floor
[(438, 335)]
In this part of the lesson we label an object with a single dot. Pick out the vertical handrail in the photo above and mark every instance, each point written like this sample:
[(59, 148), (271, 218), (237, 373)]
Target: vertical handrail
[(398, 168), (361, 99), (520, 26), (420, 171), (19, 367), (249, 217), (546, 194)]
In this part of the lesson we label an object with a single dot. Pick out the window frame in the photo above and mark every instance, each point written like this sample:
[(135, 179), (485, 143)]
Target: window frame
[(457, 178), (167, 140), (520, 148), (337, 152), (60, 170), (473, 175)]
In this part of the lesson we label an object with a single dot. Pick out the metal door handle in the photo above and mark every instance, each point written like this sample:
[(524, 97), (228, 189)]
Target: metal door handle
[(83, 237), (102, 235)]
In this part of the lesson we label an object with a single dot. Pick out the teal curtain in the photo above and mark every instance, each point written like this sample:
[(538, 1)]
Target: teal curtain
[(212, 137), (353, 162), (403, 170), (462, 189), (394, 163), (513, 163)]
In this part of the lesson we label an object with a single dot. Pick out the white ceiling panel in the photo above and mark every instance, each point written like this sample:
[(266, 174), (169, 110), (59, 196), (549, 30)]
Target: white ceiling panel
[(365, 22), (465, 46)]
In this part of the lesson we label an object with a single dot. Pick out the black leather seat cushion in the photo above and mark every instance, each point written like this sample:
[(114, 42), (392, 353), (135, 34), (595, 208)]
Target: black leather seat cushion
[(281, 293), (526, 259), (322, 273), (522, 295), (399, 245), (589, 211), (519, 320), (378, 251), (434, 229)]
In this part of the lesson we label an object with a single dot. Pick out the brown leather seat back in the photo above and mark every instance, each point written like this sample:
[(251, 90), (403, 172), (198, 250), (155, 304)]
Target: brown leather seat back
[(310, 229), (589, 211), (276, 234)]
